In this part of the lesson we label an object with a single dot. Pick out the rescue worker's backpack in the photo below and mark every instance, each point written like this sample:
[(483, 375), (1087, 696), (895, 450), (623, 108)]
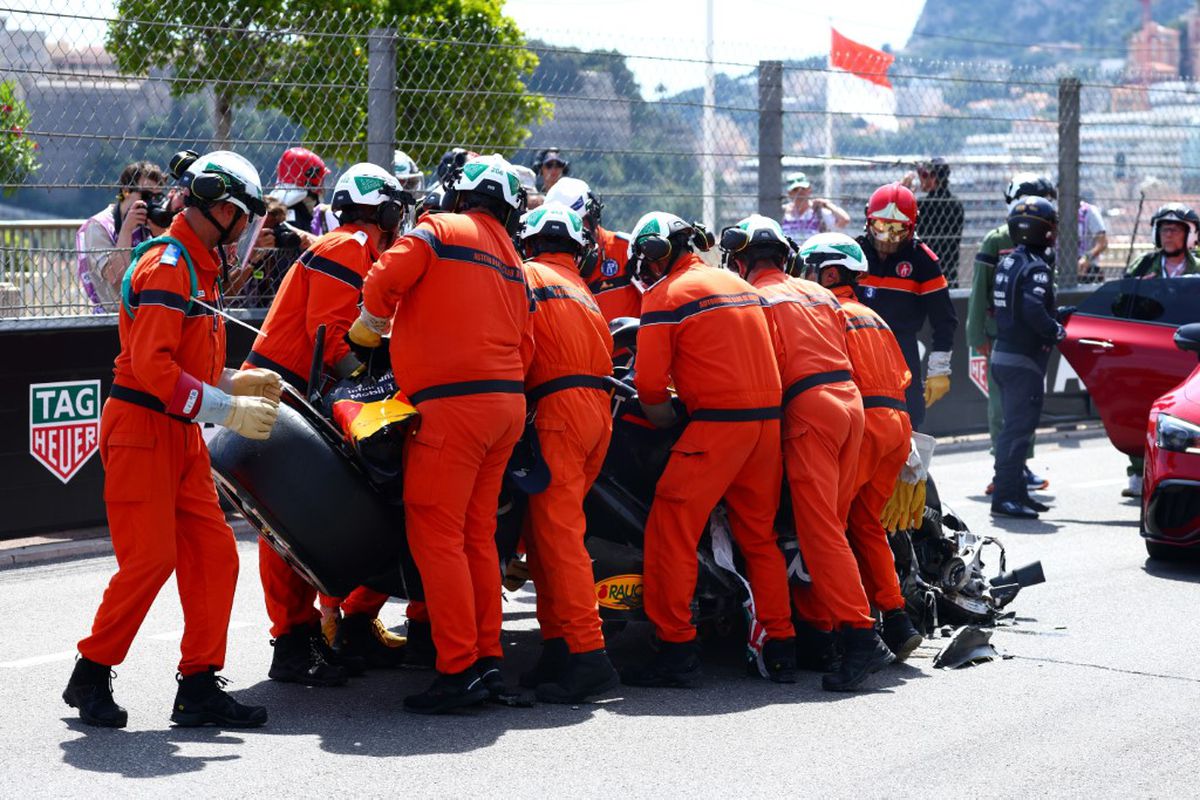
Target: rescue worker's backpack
[(127, 298)]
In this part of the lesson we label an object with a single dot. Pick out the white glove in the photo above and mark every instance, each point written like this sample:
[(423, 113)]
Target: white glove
[(252, 417), (920, 453), (939, 363)]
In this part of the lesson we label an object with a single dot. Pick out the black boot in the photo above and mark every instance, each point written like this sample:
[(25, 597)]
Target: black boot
[(550, 664), (299, 658), (448, 692), (586, 675), (863, 653), (202, 700), (90, 690), (676, 666), (420, 651), (1036, 505), (361, 637), (779, 656), (816, 650), (899, 633)]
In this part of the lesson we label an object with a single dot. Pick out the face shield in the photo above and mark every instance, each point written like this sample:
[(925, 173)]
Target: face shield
[(243, 248)]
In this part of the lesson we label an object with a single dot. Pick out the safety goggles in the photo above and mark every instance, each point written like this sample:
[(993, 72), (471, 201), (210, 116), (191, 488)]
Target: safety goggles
[(885, 230)]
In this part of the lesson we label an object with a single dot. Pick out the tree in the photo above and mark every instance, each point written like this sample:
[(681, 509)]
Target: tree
[(460, 65), (230, 48), (462, 68), (18, 153)]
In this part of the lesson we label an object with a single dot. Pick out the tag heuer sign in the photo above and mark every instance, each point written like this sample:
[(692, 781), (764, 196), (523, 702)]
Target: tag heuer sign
[(978, 370), (64, 425)]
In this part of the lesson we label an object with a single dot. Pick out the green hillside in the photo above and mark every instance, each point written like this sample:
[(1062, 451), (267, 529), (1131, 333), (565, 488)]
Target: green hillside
[(1018, 30)]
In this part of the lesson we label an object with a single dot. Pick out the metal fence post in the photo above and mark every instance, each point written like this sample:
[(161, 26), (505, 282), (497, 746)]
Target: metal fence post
[(1068, 181), (381, 96), (770, 137)]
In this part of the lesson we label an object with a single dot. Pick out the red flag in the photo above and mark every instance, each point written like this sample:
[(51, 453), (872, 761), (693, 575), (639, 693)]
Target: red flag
[(859, 60)]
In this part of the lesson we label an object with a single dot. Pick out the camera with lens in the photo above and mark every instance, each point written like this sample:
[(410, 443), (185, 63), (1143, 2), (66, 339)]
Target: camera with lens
[(158, 209), (285, 237)]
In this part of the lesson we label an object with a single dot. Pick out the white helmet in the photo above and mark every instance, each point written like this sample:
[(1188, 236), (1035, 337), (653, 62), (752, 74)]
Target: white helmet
[(554, 221), (405, 170), (365, 184), (756, 237), (492, 176), (576, 195), (833, 250), (651, 233), (370, 185), (225, 176)]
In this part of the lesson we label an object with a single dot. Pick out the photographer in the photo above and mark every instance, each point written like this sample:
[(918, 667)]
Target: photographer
[(105, 240)]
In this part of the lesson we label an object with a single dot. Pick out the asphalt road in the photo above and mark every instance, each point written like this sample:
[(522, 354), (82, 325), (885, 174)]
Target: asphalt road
[(1094, 698)]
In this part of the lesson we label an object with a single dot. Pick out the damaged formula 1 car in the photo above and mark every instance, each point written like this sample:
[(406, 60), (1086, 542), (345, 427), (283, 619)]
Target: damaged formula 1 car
[(325, 492), (943, 574)]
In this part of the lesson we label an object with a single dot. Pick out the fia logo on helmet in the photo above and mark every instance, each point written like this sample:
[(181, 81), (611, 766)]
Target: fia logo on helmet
[(64, 425)]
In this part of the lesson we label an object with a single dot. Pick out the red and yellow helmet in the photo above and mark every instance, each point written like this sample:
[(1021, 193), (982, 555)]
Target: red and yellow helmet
[(892, 213)]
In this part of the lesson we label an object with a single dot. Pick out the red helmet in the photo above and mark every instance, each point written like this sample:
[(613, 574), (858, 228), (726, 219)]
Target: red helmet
[(892, 213), (300, 167)]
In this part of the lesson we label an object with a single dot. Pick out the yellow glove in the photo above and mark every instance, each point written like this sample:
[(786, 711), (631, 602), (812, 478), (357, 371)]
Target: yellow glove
[(917, 506), (363, 336), (898, 508), (256, 383), (251, 417), (936, 387)]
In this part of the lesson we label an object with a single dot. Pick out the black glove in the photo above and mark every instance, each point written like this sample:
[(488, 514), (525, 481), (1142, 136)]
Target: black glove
[(1064, 313)]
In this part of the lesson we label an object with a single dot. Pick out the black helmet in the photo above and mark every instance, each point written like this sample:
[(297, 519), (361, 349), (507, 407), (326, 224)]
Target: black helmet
[(1173, 212), (1029, 184), (1032, 221)]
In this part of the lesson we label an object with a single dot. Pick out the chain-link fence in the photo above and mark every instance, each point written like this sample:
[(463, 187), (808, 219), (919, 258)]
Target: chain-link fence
[(80, 98)]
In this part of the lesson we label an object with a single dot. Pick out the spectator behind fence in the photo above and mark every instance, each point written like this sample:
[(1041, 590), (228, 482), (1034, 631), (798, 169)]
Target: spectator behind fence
[(940, 215), (1093, 240), (551, 165), (104, 241), (805, 215)]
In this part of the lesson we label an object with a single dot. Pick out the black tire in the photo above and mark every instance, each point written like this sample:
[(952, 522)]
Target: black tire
[(313, 506), (1166, 552)]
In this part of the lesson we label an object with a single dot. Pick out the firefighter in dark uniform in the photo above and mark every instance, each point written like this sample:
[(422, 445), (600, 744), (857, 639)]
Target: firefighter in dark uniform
[(905, 286), (1027, 329)]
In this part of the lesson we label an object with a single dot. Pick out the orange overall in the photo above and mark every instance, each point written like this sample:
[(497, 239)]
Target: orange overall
[(882, 376), (610, 281), (461, 342), (162, 504), (322, 288), (706, 330), (822, 434), (574, 425)]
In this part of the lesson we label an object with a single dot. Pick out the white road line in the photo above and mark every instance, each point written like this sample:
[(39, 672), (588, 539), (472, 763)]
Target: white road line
[(34, 661), (1098, 484), (50, 658)]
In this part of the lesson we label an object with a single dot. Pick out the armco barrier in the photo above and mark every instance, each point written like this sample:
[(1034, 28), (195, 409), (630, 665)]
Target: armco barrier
[(34, 499)]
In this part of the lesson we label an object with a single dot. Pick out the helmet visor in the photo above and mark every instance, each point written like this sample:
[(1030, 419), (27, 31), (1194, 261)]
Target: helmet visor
[(885, 230)]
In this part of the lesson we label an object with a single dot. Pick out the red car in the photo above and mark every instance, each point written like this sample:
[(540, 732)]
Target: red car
[(1134, 344)]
